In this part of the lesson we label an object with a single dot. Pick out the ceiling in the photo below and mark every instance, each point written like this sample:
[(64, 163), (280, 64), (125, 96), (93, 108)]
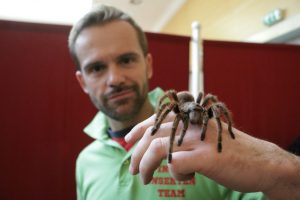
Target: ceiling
[(151, 15), (233, 20), (44, 11)]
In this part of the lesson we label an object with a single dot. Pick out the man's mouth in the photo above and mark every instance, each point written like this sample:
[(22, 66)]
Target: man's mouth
[(121, 95)]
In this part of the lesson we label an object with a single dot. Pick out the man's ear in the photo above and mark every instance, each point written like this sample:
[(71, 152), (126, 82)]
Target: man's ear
[(149, 65), (81, 81)]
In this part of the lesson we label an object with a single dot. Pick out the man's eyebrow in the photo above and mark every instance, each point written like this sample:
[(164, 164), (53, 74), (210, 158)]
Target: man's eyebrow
[(102, 63), (128, 54)]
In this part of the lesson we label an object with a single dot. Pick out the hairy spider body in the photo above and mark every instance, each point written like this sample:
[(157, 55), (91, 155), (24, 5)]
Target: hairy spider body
[(190, 111)]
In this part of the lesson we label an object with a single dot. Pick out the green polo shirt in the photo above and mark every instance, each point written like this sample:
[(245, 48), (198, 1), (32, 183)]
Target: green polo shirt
[(102, 173)]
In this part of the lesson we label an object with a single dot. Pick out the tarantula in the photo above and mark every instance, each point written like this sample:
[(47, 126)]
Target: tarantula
[(189, 111)]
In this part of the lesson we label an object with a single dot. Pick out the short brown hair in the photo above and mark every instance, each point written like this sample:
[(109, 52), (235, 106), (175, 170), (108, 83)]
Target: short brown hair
[(98, 16)]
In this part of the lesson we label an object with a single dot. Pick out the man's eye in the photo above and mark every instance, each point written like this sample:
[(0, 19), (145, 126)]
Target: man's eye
[(126, 60), (96, 68)]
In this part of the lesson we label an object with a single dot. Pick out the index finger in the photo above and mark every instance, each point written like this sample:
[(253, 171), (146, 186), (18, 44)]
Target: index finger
[(138, 131), (151, 142), (152, 158)]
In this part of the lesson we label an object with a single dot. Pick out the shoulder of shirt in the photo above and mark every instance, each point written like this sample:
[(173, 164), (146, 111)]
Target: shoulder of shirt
[(155, 95)]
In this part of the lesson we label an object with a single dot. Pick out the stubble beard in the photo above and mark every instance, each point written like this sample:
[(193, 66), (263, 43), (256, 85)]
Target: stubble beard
[(136, 103)]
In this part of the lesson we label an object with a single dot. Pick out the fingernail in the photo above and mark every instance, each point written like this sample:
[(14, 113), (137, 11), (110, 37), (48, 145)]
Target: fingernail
[(131, 170), (127, 138), (145, 181)]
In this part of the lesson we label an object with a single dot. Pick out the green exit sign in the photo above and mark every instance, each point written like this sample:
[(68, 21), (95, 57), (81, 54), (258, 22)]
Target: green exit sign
[(273, 17)]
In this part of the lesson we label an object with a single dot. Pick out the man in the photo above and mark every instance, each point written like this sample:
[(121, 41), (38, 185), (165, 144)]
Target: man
[(113, 68)]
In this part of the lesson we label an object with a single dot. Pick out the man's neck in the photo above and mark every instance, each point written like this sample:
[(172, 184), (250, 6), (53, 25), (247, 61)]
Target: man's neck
[(146, 111)]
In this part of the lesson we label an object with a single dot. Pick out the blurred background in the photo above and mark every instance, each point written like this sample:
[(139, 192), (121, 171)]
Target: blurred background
[(231, 20), (43, 110)]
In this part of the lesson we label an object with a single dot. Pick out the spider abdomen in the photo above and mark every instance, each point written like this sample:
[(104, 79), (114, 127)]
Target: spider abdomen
[(185, 96)]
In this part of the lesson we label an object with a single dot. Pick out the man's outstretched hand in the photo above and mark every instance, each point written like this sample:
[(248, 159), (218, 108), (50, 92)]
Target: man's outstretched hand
[(245, 164)]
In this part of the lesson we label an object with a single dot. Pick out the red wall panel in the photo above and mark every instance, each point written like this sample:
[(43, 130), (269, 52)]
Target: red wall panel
[(260, 83), (43, 109), (40, 130), (171, 61)]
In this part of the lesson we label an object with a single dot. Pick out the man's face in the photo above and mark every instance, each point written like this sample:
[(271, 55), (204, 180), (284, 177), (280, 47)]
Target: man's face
[(114, 71)]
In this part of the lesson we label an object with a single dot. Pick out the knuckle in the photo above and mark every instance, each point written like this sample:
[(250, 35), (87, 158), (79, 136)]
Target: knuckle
[(147, 134), (159, 146)]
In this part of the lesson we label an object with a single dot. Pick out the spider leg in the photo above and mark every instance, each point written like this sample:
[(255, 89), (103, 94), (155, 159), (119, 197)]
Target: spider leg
[(186, 122), (208, 98), (162, 99), (164, 109), (162, 116), (204, 126), (219, 134), (160, 110), (218, 120), (227, 116), (174, 128), (200, 95), (170, 93)]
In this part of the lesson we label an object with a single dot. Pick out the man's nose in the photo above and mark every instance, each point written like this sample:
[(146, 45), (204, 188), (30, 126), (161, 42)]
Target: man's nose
[(115, 76)]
